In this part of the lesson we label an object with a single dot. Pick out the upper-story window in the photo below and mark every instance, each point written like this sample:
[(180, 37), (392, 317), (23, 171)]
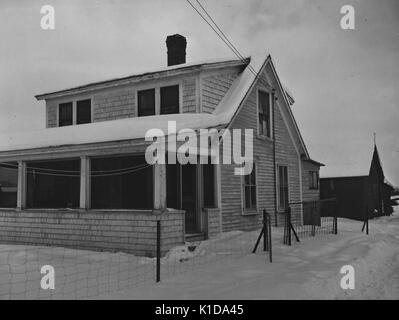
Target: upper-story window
[(65, 114), (160, 100), (170, 99), (146, 102), (74, 112), (264, 122), (83, 111)]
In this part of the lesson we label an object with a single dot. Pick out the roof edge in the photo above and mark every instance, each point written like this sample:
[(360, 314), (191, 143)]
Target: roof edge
[(169, 71)]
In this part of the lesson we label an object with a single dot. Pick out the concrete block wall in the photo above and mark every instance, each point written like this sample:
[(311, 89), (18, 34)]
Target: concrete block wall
[(126, 231)]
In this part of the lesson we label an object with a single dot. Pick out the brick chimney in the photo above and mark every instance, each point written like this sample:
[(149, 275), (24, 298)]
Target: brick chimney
[(176, 45)]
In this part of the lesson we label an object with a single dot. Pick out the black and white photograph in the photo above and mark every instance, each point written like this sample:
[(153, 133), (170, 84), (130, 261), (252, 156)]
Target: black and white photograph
[(196, 150)]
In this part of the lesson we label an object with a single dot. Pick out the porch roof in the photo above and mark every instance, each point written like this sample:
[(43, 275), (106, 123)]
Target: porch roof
[(105, 131)]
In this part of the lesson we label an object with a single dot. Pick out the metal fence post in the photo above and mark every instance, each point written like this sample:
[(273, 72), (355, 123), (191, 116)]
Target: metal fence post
[(269, 226), (265, 235), (158, 268)]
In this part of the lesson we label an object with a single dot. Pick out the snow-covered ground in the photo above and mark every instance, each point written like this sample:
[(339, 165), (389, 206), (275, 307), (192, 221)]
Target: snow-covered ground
[(221, 268), (307, 270)]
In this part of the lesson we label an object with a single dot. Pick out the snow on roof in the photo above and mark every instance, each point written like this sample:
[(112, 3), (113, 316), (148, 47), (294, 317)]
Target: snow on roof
[(215, 63), (134, 128), (114, 130), (238, 90)]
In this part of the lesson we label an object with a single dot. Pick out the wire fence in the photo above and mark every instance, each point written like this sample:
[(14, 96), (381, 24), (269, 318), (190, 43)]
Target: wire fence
[(85, 274), (318, 218)]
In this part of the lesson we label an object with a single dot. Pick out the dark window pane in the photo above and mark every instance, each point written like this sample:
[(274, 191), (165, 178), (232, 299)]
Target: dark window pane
[(283, 187), (65, 114), (53, 184), (247, 197), (8, 185), (130, 186), (146, 102), (253, 178), (170, 99), (83, 111), (264, 113)]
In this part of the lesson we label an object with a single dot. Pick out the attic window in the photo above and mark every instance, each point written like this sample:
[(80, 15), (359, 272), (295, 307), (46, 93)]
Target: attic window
[(65, 117), (264, 125)]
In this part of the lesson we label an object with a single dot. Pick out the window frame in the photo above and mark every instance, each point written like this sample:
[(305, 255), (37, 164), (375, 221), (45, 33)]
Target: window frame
[(253, 209), (157, 86), (74, 108), (259, 135), (279, 208)]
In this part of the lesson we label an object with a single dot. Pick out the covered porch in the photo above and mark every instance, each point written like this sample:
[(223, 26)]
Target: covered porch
[(110, 178)]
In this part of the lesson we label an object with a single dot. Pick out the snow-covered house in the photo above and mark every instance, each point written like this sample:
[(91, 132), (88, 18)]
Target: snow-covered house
[(83, 181), (360, 189)]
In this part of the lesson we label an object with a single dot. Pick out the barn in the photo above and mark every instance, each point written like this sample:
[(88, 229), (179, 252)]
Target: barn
[(360, 192)]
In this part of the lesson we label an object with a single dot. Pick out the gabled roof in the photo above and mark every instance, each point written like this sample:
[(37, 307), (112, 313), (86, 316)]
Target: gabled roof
[(132, 128)]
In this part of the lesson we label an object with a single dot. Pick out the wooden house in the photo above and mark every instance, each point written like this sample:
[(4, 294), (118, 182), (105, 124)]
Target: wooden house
[(83, 181)]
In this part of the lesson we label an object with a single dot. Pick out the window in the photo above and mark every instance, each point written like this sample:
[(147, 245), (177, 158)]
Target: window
[(313, 180), (250, 189), (83, 111), (146, 102), (8, 185), (264, 127), (65, 117), (53, 184), (282, 187), (169, 100), (124, 182)]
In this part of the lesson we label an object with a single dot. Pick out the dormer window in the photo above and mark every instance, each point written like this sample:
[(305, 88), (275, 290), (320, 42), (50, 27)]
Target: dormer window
[(65, 114), (146, 102), (170, 99), (83, 111), (74, 112), (158, 100)]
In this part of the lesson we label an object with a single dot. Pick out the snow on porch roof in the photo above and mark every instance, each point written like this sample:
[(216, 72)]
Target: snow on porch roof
[(105, 131)]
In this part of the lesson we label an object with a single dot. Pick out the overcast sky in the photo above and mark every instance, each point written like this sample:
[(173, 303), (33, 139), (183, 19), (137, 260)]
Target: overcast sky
[(345, 82)]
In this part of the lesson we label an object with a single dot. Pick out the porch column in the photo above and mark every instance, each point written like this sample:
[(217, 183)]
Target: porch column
[(21, 189), (159, 187), (85, 182)]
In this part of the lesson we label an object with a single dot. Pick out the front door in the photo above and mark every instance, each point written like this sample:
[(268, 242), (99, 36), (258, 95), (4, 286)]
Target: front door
[(189, 197)]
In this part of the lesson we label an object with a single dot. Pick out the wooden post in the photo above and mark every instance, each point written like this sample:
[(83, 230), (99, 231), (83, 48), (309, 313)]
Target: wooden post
[(160, 187), (21, 190), (85, 183)]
